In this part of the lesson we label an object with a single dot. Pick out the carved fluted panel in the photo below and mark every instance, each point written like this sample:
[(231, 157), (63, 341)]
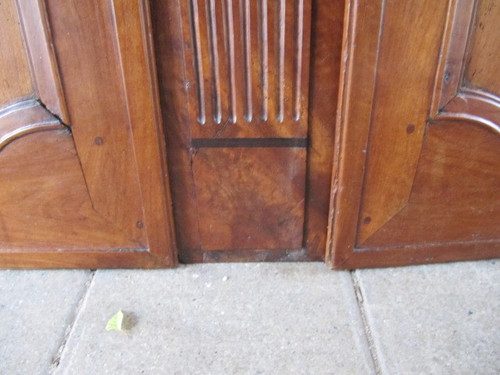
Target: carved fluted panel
[(248, 61)]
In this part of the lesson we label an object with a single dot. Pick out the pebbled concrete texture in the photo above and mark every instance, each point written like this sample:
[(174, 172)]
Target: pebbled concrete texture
[(437, 319), (221, 319), (36, 308)]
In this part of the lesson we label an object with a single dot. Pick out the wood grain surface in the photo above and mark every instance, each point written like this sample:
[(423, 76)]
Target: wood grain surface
[(485, 47), (228, 117), (247, 204), (400, 108), (327, 23), (15, 80), (43, 196), (247, 64), (427, 170), (82, 155)]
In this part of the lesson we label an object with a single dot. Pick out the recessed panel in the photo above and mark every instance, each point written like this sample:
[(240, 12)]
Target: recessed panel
[(482, 70), (456, 193), (250, 198), (15, 80)]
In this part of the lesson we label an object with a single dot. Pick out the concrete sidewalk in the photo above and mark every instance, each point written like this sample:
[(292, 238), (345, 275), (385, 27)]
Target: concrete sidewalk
[(279, 318)]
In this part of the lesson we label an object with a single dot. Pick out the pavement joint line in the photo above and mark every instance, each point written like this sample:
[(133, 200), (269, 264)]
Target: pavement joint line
[(366, 325), (56, 361)]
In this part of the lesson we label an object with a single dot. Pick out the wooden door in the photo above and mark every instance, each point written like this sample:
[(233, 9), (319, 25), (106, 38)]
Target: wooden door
[(81, 152), (418, 177), (249, 91)]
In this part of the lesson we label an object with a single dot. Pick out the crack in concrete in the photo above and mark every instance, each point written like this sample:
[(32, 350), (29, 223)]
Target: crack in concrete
[(366, 325), (69, 329)]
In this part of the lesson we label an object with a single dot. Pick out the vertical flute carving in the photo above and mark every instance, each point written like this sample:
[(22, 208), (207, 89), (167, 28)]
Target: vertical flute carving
[(246, 67)]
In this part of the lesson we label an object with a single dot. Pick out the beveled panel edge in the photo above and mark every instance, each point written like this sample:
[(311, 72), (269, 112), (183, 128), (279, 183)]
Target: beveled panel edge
[(143, 104), (42, 58), (450, 68), (345, 197)]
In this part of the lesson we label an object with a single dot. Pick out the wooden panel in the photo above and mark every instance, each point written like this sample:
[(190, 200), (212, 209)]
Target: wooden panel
[(15, 80), (357, 80), (249, 88), (97, 96), (226, 96), (458, 177), (247, 67), (402, 96), (246, 204), (46, 216), (133, 20), (43, 195), (42, 188), (431, 160), (485, 48), (169, 47), (453, 97), (92, 194)]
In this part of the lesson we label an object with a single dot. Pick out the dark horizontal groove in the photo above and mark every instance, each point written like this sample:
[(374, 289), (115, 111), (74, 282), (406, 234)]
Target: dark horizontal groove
[(248, 142)]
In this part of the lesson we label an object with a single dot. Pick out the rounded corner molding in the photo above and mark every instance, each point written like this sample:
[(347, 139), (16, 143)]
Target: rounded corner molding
[(23, 118), (474, 106)]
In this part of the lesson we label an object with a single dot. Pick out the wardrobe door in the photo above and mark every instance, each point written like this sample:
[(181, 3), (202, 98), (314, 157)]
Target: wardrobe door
[(81, 155), (249, 91), (418, 176)]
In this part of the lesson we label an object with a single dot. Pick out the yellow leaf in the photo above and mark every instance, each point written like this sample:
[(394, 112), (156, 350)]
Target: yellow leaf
[(116, 322)]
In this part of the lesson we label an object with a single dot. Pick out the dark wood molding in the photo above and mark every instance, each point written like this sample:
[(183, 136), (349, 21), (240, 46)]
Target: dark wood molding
[(82, 258), (248, 142), (426, 254), (327, 22)]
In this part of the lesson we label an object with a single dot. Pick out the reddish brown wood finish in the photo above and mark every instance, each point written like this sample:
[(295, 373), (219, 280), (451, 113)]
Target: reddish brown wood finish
[(326, 44), (244, 79), (246, 204), (92, 194), (418, 178), (232, 103), (40, 205), (248, 67), (249, 117)]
